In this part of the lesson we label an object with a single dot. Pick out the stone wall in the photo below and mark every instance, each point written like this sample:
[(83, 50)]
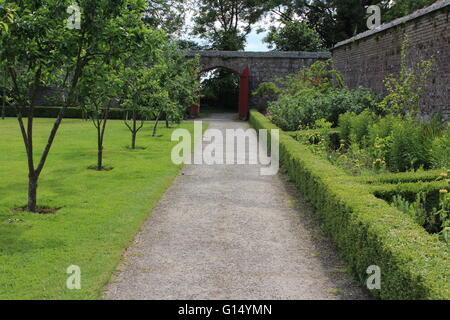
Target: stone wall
[(370, 57), (263, 66)]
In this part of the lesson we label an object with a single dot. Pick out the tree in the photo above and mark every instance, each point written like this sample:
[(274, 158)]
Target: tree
[(294, 36), (226, 23), (334, 20), (96, 92), (41, 51), (180, 87), (141, 86), (167, 15), (337, 20), (402, 8)]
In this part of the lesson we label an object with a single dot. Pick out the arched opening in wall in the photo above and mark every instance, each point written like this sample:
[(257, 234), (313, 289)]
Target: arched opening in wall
[(219, 90)]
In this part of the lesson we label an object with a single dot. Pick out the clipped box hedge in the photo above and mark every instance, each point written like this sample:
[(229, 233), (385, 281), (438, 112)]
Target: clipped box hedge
[(420, 176), (70, 113), (366, 230)]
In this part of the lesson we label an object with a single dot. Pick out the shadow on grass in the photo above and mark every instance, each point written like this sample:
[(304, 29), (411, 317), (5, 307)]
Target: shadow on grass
[(12, 241), (135, 149)]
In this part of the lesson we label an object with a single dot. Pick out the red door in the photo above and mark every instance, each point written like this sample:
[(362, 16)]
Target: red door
[(244, 94)]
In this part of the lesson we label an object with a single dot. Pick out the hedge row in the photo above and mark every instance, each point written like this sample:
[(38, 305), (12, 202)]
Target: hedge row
[(70, 113), (420, 176), (367, 230), (409, 191)]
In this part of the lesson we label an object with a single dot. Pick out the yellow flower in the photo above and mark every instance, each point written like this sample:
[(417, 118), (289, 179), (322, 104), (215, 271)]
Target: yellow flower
[(443, 191), (444, 175)]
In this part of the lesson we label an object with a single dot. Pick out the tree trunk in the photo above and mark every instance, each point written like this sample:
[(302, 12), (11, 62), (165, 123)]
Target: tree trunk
[(100, 157), (133, 140), (3, 97), (134, 131), (154, 127), (156, 124), (32, 192), (3, 110)]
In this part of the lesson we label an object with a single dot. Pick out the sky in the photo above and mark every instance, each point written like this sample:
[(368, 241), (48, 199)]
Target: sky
[(255, 43)]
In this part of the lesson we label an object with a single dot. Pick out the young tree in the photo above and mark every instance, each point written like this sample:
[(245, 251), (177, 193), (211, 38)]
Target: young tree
[(96, 92), (141, 90), (41, 50), (181, 87)]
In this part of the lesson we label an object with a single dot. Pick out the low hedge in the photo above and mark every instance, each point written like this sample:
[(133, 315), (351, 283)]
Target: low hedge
[(409, 191), (367, 230), (420, 176), (71, 113)]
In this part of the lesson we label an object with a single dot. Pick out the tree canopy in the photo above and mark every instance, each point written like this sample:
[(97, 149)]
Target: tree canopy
[(226, 23), (294, 36)]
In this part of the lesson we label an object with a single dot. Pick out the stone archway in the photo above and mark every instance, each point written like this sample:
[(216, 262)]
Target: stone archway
[(254, 68), (243, 91)]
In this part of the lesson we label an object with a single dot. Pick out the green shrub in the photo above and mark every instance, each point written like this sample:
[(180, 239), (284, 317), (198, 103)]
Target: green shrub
[(367, 230), (408, 150), (355, 128), (440, 150), (399, 143), (293, 112), (415, 209)]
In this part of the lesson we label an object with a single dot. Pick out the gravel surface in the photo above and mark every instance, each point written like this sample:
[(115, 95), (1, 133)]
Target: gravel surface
[(226, 232)]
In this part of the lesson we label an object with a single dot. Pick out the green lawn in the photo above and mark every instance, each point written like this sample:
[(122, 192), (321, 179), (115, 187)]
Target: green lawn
[(101, 211)]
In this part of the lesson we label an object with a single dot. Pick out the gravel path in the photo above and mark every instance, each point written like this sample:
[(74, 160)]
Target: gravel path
[(225, 232)]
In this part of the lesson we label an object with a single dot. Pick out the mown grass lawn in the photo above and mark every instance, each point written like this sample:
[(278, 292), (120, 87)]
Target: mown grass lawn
[(101, 211)]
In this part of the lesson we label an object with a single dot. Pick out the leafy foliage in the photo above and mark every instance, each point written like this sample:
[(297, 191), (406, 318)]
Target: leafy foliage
[(402, 8), (6, 17), (398, 143), (167, 15), (316, 92), (226, 23), (294, 36), (337, 20), (97, 91)]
